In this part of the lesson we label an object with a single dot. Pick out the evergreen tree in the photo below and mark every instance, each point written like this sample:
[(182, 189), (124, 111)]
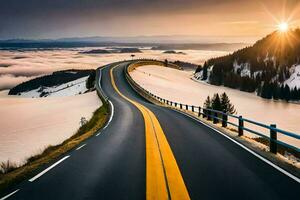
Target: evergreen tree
[(204, 73), (281, 93), (294, 93), (226, 105), (207, 103), (216, 103), (166, 62), (266, 90), (199, 68), (287, 93), (276, 91), (298, 94), (90, 82)]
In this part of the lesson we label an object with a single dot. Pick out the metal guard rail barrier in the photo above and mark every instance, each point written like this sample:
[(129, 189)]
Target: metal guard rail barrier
[(217, 116), (100, 92)]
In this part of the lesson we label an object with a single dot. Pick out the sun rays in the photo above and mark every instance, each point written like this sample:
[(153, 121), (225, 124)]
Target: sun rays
[(283, 27), (284, 23)]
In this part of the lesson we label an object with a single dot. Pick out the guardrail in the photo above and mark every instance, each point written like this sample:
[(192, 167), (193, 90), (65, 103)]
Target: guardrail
[(99, 89), (142, 62), (217, 116)]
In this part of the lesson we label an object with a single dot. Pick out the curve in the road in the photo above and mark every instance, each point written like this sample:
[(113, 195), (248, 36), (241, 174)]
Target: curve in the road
[(163, 177), (114, 165)]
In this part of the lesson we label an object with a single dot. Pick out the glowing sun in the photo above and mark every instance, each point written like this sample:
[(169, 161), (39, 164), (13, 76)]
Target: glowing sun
[(283, 27)]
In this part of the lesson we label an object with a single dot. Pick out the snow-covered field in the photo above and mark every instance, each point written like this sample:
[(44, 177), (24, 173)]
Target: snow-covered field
[(30, 125), (67, 89), (178, 86)]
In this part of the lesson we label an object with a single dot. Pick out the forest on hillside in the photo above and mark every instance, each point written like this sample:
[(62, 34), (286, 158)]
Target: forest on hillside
[(263, 68), (54, 79)]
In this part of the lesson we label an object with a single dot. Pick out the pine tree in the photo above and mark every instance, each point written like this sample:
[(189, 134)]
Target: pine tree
[(204, 73), (281, 93), (294, 93), (90, 83), (226, 105), (276, 91), (266, 90), (166, 62), (216, 103), (199, 68), (287, 93), (207, 103), (298, 94)]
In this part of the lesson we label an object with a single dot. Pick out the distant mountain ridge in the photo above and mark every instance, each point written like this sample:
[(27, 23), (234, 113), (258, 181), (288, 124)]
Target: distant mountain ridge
[(264, 67), (159, 39), (157, 42)]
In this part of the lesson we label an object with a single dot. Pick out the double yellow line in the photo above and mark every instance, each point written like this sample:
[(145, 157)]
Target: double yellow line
[(163, 177)]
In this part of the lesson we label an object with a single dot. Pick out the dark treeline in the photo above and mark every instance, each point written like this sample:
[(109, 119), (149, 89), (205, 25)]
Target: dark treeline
[(90, 83), (185, 65), (56, 78), (269, 59)]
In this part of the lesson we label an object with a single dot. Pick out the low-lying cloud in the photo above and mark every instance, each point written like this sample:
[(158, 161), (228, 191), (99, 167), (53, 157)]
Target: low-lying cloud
[(9, 81), (20, 66)]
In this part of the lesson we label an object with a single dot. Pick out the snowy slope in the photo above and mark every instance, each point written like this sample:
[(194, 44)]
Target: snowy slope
[(294, 80), (199, 75), (242, 69), (67, 89)]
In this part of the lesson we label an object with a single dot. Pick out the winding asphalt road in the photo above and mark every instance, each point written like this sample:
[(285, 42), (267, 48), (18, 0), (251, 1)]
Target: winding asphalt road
[(116, 164)]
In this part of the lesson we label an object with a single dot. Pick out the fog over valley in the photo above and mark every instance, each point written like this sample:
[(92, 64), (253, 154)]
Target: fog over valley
[(17, 66)]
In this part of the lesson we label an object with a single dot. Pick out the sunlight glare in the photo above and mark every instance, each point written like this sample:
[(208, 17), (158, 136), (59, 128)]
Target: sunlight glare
[(283, 27)]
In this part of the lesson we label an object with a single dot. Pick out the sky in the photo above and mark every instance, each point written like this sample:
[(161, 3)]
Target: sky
[(244, 20)]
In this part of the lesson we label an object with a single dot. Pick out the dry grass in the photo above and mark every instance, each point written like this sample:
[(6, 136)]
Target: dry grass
[(280, 148), (14, 174), (7, 166)]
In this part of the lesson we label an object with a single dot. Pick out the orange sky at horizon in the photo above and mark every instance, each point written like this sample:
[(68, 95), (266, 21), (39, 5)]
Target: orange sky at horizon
[(238, 20)]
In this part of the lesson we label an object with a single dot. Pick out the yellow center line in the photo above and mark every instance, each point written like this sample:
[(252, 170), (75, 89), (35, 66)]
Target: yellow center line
[(163, 177)]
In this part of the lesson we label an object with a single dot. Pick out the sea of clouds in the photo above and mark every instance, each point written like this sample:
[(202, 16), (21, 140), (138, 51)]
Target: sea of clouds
[(17, 66)]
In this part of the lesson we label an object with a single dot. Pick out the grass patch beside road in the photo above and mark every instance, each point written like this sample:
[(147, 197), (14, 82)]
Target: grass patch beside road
[(16, 175)]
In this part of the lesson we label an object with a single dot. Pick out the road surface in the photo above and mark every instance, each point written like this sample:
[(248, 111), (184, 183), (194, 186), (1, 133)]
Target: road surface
[(152, 152)]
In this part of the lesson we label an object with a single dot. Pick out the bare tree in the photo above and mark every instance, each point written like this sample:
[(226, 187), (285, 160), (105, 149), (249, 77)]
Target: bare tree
[(83, 121)]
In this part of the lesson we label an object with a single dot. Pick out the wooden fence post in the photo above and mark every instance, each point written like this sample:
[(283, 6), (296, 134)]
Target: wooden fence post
[(241, 126), (273, 138), (224, 120), (215, 120), (208, 115)]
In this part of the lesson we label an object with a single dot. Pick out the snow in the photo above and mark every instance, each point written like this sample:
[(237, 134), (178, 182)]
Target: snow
[(294, 80), (257, 73), (243, 69), (199, 75), (178, 86), (31, 125), (71, 88)]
